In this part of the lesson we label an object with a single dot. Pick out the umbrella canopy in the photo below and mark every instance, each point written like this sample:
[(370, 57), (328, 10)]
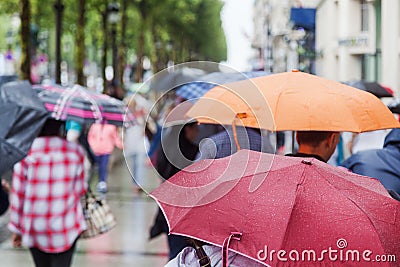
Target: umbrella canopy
[(177, 115), (271, 203), (82, 105), (294, 101), (201, 86), (174, 77), (372, 87), (22, 116)]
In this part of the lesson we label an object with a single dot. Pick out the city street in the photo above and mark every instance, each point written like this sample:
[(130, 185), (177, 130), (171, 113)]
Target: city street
[(274, 127), (127, 244)]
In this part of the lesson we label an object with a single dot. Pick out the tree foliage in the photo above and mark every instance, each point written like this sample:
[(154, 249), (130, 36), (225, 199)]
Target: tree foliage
[(162, 30)]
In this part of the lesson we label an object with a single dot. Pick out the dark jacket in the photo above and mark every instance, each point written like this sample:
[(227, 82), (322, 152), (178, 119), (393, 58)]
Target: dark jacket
[(188, 151), (383, 164), (166, 169)]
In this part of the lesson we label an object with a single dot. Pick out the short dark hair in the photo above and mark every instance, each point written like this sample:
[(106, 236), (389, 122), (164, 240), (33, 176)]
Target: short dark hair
[(313, 138), (52, 128)]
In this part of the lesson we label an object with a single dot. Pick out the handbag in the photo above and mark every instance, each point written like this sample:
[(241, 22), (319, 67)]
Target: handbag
[(98, 216)]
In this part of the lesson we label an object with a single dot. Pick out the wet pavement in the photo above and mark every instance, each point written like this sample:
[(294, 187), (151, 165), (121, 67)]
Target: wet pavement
[(126, 245)]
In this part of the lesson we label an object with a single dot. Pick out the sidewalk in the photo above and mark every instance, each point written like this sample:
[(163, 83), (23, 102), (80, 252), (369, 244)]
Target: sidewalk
[(4, 233)]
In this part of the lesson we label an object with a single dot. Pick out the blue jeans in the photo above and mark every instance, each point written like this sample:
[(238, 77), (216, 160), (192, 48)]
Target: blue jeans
[(102, 162)]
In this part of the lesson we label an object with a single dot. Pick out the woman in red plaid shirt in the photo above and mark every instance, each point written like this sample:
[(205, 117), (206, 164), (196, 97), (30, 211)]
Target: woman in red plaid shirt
[(46, 213)]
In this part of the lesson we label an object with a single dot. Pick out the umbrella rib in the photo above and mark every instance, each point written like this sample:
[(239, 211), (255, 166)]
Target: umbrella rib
[(92, 101), (303, 177), (352, 201), (65, 96)]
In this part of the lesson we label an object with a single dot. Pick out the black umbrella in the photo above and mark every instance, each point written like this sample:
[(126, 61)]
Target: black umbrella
[(394, 106), (372, 87), (173, 77), (22, 116)]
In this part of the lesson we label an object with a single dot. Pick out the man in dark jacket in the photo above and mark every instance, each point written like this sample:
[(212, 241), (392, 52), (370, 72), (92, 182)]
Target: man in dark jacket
[(383, 164), (177, 152)]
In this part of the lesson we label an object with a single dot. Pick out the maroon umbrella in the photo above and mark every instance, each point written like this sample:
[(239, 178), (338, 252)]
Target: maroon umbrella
[(283, 210)]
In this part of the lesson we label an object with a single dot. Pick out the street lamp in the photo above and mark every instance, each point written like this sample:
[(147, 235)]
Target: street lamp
[(113, 19)]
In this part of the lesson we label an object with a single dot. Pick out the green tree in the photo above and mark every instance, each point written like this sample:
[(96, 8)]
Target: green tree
[(178, 30), (80, 43), (209, 38), (25, 14)]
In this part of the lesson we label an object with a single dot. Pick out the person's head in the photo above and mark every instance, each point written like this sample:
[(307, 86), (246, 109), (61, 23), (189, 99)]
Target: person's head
[(321, 143), (51, 128)]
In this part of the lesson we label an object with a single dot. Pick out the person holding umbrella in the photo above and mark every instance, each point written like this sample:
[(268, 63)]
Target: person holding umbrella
[(20, 108), (47, 186), (177, 151)]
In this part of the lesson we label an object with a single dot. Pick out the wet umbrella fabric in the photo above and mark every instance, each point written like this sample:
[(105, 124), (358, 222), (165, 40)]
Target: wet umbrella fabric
[(173, 77), (294, 101), (84, 106), (273, 202), (22, 116), (204, 83)]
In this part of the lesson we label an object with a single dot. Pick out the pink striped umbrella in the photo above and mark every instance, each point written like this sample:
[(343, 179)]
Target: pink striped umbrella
[(83, 105)]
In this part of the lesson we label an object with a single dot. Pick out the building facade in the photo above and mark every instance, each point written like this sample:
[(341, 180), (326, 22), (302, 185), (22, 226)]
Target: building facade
[(278, 43), (359, 39)]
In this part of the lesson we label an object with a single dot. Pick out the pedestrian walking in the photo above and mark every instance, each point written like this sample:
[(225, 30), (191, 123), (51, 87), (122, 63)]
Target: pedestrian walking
[(170, 161), (135, 144), (47, 186), (103, 138)]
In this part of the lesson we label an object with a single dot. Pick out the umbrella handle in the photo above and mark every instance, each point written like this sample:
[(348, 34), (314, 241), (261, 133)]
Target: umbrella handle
[(237, 116), (225, 246)]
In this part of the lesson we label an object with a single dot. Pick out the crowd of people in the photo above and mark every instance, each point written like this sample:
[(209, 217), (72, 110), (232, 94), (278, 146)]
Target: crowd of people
[(47, 186)]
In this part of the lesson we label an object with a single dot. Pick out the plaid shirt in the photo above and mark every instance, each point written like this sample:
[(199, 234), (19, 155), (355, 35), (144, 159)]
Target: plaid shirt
[(46, 190)]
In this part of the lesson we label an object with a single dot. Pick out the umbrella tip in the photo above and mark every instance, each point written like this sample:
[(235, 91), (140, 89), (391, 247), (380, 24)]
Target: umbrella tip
[(305, 161)]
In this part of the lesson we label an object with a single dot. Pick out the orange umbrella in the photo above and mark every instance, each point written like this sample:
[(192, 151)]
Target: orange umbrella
[(293, 101)]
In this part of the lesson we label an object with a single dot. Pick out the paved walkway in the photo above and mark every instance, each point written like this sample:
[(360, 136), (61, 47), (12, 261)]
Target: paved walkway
[(125, 245)]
